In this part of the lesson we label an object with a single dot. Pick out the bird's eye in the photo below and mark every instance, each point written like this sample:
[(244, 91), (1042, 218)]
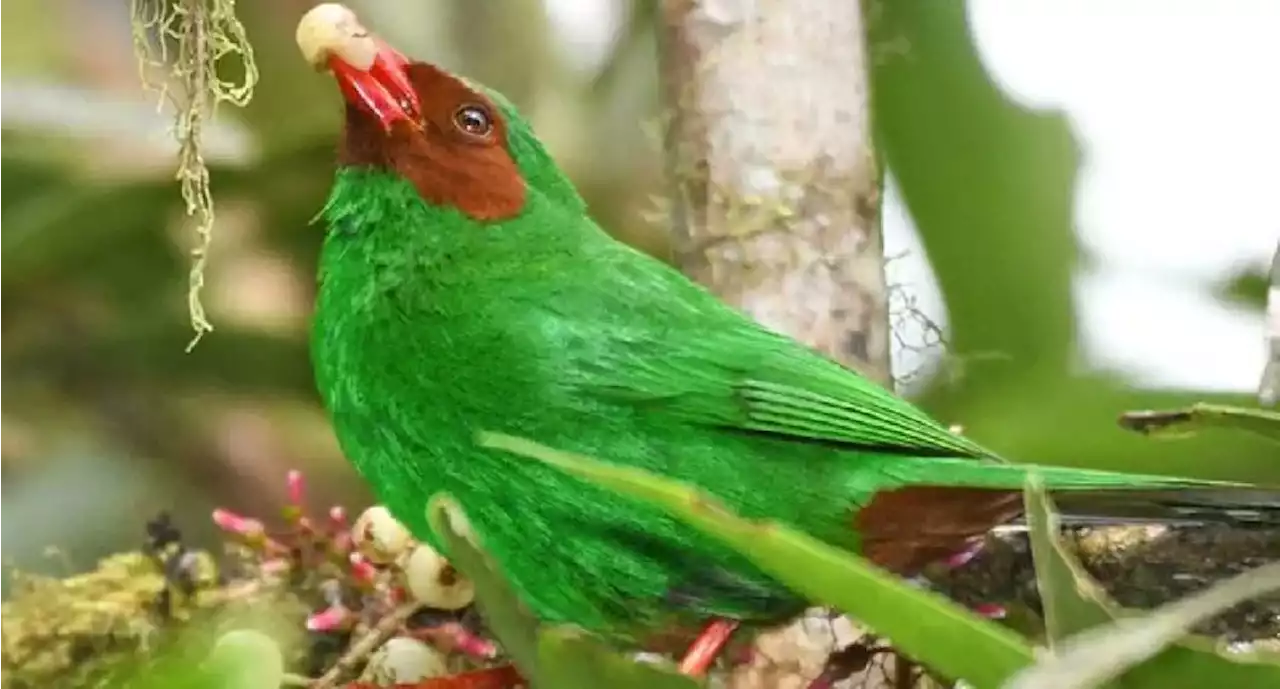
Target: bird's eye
[(473, 120)]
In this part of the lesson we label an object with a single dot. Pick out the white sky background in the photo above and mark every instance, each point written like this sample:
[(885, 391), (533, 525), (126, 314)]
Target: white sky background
[(1181, 142)]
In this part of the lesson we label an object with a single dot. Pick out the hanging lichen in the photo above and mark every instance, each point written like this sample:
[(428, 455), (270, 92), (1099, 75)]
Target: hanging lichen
[(179, 44)]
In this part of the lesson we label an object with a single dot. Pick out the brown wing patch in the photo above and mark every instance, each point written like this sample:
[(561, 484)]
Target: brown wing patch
[(906, 529), (449, 165)]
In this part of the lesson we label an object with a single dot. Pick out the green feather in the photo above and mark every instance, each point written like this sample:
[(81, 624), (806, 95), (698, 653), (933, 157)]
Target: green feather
[(431, 326), (960, 473)]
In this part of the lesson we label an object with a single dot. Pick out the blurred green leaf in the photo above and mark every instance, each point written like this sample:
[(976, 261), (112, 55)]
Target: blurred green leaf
[(922, 624), (75, 233), (1072, 602), (552, 658), (991, 186), (989, 183), (570, 659), (233, 649), (505, 615), (1247, 287), (245, 659), (25, 175)]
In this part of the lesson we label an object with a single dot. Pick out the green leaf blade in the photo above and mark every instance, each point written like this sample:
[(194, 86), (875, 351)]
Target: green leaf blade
[(922, 624)]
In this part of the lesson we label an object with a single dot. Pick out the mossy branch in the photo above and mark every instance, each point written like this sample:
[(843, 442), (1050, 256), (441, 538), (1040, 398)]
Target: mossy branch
[(179, 43)]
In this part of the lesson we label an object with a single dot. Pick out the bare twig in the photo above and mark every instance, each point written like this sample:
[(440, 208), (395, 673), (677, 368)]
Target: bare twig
[(1149, 422), (361, 650), (1197, 416)]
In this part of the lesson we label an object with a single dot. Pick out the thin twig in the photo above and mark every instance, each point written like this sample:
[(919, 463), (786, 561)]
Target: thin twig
[(360, 651)]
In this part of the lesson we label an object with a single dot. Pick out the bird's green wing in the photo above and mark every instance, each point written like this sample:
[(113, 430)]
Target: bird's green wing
[(648, 337)]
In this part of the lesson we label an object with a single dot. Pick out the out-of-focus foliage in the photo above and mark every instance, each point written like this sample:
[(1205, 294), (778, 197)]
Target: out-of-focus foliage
[(106, 628), (990, 186)]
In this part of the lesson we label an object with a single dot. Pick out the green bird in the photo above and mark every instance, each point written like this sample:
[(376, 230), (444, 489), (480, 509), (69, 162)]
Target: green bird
[(463, 288)]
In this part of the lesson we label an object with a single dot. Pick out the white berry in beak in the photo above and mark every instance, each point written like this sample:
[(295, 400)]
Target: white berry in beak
[(333, 30)]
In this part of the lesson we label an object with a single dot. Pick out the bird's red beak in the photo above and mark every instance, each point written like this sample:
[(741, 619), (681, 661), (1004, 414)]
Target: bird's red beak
[(383, 90)]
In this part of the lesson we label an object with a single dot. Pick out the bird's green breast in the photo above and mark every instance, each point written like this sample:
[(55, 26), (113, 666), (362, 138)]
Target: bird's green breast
[(416, 350)]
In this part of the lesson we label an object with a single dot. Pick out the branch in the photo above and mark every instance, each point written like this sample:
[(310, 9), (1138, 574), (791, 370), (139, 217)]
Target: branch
[(362, 649)]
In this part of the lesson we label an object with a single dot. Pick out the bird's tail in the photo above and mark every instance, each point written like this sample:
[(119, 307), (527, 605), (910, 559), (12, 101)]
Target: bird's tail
[(1241, 507), (931, 507), (1097, 496)]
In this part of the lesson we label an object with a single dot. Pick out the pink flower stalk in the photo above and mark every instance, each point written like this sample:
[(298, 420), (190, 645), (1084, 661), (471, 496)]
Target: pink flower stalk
[(329, 619), (295, 488), (339, 532), (473, 645), (451, 637), (235, 524), (275, 566), (250, 531), (991, 611), (362, 570), (296, 485)]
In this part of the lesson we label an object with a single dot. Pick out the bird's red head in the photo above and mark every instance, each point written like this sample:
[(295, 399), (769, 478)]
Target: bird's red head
[(415, 119)]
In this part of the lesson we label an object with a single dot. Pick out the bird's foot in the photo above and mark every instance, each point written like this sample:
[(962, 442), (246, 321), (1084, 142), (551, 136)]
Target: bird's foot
[(847, 661), (858, 655), (991, 611), (704, 650)]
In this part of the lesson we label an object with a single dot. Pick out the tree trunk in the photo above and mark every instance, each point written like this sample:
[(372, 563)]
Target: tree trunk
[(776, 203), (777, 191)]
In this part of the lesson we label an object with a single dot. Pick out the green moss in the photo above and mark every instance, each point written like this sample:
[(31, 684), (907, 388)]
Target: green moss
[(182, 43), (95, 629)]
